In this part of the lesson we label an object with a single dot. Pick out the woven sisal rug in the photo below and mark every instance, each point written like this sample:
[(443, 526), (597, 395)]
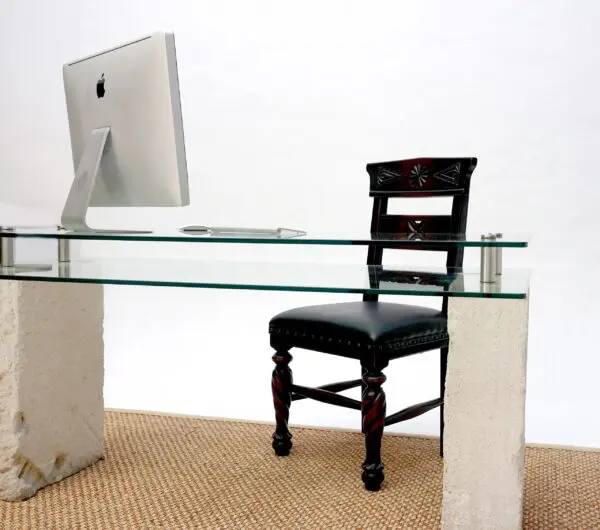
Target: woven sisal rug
[(188, 473)]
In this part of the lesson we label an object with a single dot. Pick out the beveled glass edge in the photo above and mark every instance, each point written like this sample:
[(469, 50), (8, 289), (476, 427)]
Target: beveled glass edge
[(398, 240), (250, 287), (519, 277)]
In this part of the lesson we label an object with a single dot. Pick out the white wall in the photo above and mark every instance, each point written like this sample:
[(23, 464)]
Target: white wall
[(284, 103)]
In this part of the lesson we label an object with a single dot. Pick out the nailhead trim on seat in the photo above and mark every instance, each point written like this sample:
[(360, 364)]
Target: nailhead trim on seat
[(391, 345)]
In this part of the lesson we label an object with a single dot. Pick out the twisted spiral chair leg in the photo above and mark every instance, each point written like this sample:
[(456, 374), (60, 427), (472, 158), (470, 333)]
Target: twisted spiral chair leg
[(373, 408), (281, 386)]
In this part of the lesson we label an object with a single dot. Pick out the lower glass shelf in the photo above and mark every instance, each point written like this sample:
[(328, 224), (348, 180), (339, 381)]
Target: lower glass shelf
[(306, 277)]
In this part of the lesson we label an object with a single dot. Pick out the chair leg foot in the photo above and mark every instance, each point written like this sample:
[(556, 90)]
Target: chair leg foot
[(282, 443), (372, 476), (281, 386), (373, 418)]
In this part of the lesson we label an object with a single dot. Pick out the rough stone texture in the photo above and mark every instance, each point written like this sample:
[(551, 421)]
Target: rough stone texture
[(484, 440), (51, 383)]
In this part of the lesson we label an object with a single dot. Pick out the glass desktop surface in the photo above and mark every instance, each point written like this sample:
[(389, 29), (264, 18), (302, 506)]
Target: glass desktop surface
[(300, 277), (400, 240)]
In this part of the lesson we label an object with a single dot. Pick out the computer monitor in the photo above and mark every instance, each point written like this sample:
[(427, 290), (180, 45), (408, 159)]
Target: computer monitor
[(126, 129)]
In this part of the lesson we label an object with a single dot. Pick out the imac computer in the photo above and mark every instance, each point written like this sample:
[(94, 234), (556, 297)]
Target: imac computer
[(127, 140), (126, 129)]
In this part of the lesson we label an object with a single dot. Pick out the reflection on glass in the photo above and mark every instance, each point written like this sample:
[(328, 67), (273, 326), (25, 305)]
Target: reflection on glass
[(400, 240), (305, 277)]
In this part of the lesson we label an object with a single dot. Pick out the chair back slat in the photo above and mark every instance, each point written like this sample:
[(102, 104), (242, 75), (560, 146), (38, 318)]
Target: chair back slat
[(420, 177), (415, 226)]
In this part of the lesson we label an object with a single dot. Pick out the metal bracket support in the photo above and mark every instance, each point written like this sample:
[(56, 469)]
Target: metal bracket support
[(489, 260), (7, 249), (75, 209)]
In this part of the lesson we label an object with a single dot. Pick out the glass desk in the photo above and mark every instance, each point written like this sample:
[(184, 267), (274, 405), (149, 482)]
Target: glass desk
[(52, 349), (322, 278)]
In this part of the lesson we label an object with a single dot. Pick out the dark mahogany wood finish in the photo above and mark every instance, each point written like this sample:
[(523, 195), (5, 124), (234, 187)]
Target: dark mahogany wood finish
[(419, 177), (423, 177), (281, 386), (373, 421)]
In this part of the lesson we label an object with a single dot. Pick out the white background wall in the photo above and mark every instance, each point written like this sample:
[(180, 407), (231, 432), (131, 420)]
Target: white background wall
[(283, 104)]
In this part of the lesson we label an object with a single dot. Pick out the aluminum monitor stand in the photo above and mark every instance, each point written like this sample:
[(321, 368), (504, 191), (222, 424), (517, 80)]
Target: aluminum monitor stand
[(74, 213)]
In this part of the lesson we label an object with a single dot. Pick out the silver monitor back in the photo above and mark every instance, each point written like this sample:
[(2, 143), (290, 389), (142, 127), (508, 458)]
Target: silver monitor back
[(126, 129)]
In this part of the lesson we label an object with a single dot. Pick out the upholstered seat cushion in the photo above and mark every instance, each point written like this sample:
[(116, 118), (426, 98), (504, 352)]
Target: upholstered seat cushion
[(356, 329)]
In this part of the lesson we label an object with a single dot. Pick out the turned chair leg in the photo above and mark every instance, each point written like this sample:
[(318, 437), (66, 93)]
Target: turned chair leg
[(373, 418), (281, 386), (443, 369), (363, 387)]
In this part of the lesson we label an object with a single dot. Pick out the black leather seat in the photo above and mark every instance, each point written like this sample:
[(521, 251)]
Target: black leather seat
[(357, 329)]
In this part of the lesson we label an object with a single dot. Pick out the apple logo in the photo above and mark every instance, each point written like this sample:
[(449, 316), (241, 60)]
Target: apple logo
[(100, 90)]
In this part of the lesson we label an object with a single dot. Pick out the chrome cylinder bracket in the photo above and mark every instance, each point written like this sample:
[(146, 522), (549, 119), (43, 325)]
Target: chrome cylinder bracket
[(7, 248), (64, 250), (489, 259)]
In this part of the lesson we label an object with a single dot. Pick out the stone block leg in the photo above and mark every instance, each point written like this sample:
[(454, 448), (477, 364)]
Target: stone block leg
[(51, 383), (484, 437)]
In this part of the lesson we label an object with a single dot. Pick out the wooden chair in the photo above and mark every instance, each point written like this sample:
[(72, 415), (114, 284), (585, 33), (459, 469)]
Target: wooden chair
[(371, 331)]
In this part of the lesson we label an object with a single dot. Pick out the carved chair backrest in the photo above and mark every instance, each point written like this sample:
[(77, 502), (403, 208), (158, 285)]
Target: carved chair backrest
[(420, 178)]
